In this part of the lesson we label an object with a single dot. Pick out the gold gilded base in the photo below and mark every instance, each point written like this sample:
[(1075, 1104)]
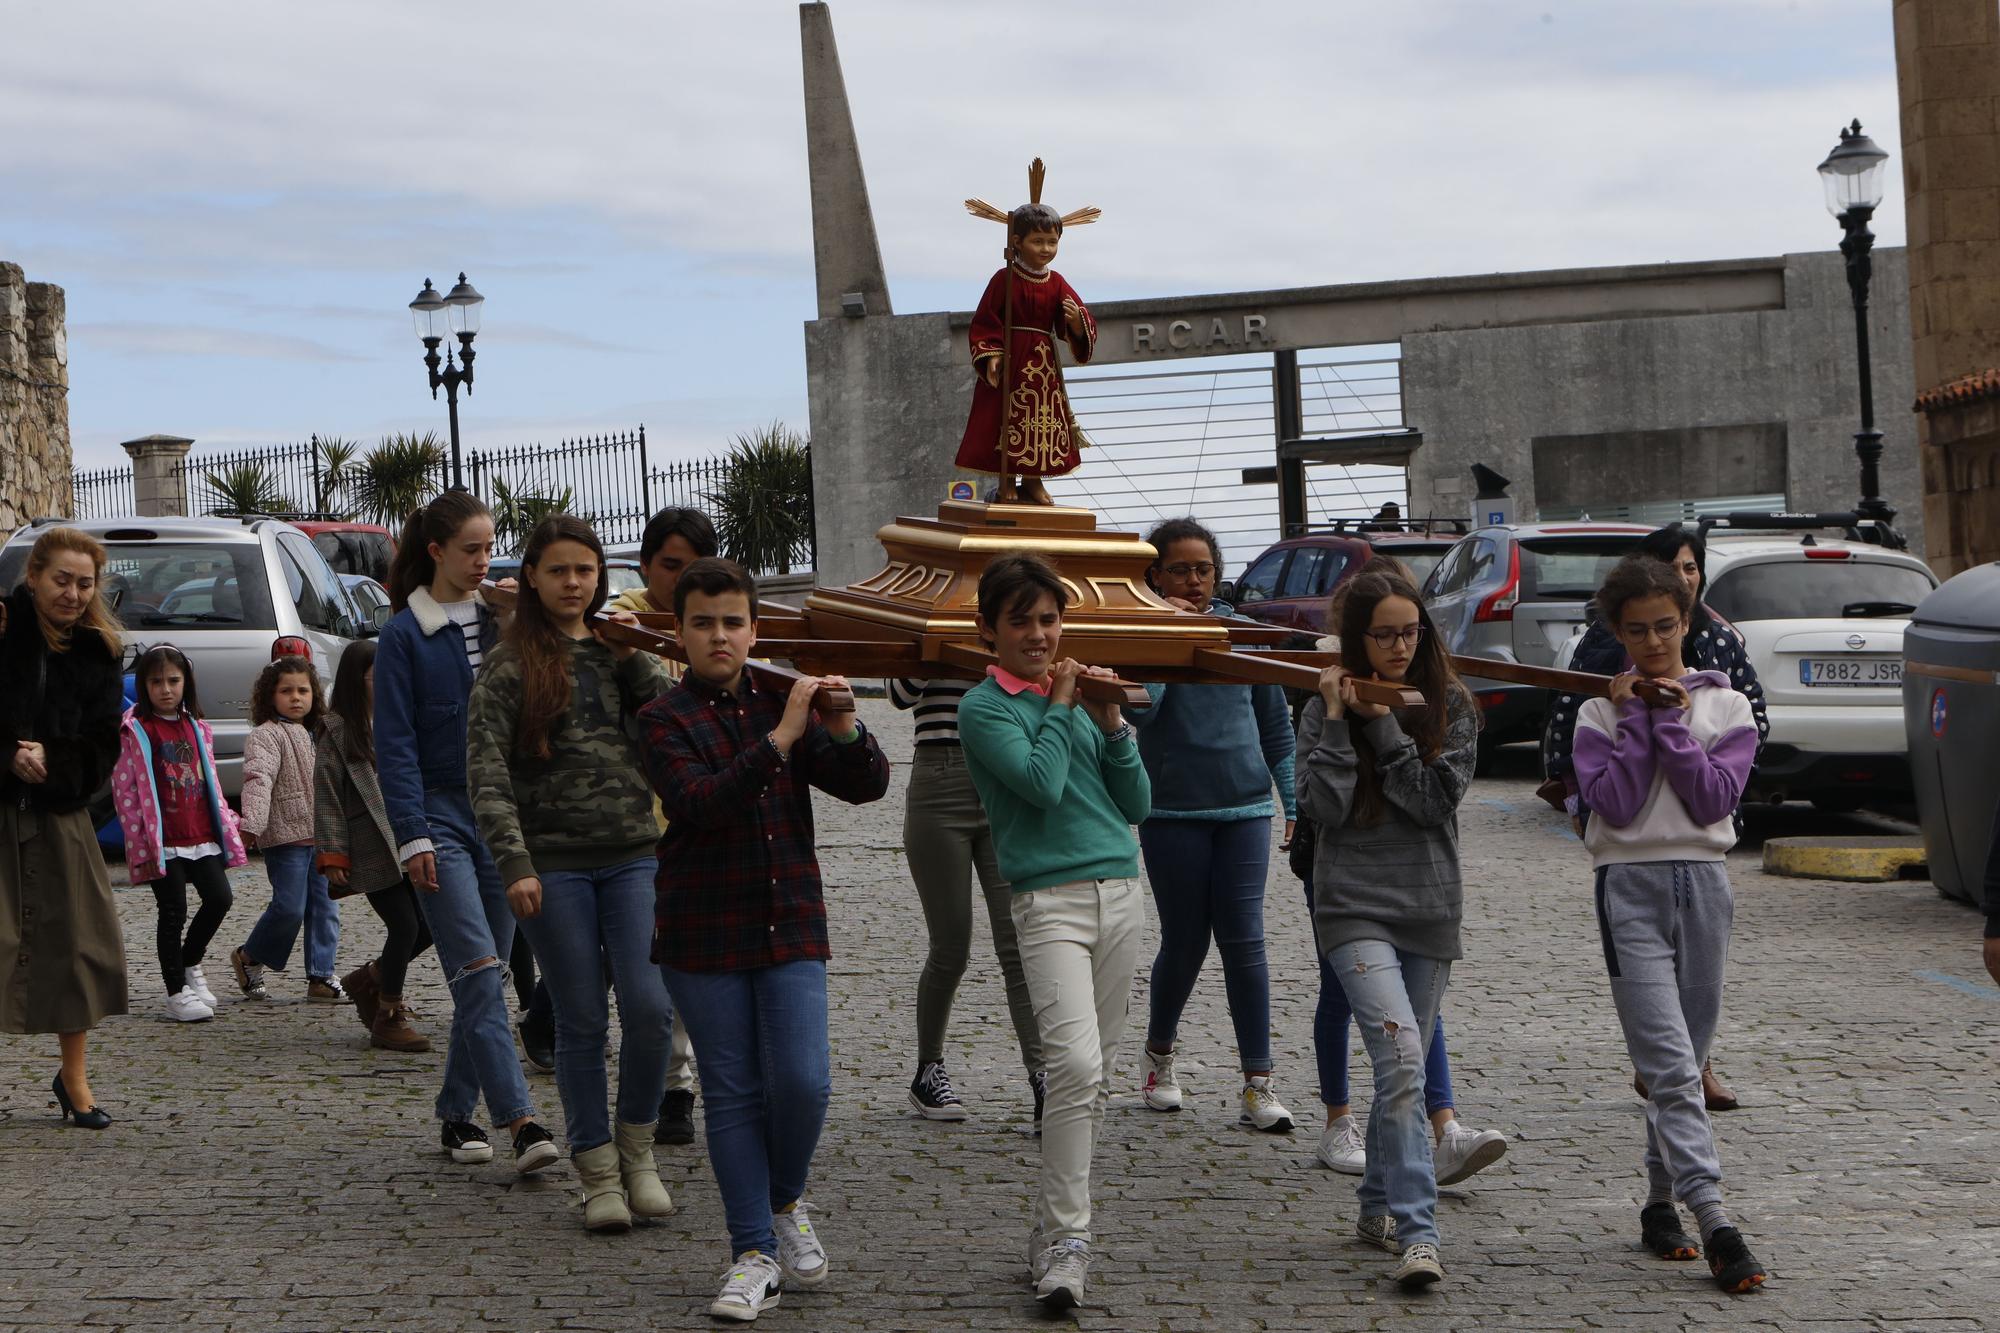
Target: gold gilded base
[(929, 590)]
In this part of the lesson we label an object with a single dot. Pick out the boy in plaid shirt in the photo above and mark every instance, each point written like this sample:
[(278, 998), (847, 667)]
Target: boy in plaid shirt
[(740, 921)]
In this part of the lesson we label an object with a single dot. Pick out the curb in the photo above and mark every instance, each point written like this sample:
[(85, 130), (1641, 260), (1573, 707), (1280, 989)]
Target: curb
[(1862, 860)]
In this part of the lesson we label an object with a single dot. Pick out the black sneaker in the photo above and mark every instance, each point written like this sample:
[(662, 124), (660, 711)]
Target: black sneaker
[(1660, 1232), (931, 1094), (538, 1043), (533, 1149), (1736, 1269), (465, 1141), (676, 1117), (1040, 1083)]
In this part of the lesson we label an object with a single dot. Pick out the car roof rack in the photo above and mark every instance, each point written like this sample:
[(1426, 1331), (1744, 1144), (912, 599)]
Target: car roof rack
[(1414, 527), (1849, 524)]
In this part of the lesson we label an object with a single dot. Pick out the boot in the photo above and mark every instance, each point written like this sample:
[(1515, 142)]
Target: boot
[(649, 1198), (603, 1197), (392, 1030), (1714, 1093), (366, 992)]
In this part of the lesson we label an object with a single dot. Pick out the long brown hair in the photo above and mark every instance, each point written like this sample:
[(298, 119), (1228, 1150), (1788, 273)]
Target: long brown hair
[(151, 662), (438, 521), (350, 702), (96, 615), (1430, 672), (546, 684)]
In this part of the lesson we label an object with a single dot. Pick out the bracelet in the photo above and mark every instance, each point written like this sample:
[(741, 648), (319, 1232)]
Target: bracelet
[(1126, 731)]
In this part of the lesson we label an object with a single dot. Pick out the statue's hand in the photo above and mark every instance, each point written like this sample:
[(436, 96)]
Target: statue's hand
[(992, 371)]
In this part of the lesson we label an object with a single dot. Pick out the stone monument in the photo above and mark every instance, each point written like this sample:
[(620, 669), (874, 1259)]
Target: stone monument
[(34, 400)]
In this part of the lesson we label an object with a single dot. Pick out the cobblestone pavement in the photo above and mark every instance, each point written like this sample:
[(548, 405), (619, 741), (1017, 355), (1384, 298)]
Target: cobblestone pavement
[(269, 1171)]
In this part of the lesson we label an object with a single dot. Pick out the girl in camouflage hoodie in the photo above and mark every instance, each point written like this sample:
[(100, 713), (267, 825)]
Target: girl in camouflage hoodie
[(561, 799)]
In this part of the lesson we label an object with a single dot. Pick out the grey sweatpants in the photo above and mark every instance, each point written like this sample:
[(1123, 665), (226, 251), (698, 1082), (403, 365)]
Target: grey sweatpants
[(1665, 926)]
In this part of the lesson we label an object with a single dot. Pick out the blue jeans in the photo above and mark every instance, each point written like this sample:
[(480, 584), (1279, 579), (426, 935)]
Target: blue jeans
[(1208, 878), (766, 1076), (1395, 997), (298, 896), (1330, 1045), (472, 929), (589, 918)]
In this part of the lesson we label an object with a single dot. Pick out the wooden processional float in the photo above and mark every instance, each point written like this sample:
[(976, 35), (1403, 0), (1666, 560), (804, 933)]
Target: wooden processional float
[(917, 618)]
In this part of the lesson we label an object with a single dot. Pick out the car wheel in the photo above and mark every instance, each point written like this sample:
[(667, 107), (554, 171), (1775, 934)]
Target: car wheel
[(1482, 762)]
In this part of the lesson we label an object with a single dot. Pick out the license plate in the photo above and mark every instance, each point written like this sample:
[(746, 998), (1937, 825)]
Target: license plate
[(1859, 671)]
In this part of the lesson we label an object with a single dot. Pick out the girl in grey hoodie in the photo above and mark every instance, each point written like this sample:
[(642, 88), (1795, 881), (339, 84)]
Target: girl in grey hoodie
[(1382, 788)]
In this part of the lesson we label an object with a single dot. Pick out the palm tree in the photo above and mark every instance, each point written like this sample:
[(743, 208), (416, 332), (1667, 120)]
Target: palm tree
[(515, 513), (763, 510), (398, 475), (336, 472), (244, 488)]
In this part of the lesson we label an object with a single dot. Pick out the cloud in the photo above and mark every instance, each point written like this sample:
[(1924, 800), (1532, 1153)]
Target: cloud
[(139, 339)]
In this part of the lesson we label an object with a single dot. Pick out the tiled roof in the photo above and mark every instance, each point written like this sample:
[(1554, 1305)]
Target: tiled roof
[(1965, 389)]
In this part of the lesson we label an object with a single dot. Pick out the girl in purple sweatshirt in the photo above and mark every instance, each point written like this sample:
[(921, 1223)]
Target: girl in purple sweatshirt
[(1662, 779)]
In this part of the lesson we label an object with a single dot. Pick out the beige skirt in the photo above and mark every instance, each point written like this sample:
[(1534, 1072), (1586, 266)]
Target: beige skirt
[(62, 953)]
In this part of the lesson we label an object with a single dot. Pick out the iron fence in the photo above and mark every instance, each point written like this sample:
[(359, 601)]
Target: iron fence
[(104, 493), (607, 480)]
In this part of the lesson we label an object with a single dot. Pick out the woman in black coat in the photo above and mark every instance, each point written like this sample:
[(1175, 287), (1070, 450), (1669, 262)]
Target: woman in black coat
[(62, 952)]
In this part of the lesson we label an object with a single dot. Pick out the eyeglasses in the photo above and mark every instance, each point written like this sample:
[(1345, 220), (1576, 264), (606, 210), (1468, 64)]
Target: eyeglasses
[(1663, 630), (1182, 569), (1389, 638)]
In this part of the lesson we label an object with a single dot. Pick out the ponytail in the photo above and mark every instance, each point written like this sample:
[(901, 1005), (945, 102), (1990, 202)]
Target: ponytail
[(438, 521)]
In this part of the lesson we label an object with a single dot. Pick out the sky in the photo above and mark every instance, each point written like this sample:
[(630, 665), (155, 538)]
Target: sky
[(240, 199)]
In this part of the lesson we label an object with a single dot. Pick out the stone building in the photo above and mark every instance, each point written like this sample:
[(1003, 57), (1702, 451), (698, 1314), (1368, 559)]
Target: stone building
[(34, 400)]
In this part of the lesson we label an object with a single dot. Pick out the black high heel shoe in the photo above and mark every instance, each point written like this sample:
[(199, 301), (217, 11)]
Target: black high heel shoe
[(94, 1118)]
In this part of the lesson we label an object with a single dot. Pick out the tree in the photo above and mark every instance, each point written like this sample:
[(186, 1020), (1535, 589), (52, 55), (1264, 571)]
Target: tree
[(398, 475), (516, 513), (763, 510), (336, 459), (244, 488)]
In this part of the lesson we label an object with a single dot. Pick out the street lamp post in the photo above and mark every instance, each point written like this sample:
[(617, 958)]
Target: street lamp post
[(457, 312), (1852, 176)]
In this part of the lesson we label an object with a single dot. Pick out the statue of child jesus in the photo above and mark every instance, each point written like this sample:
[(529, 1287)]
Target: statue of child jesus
[(1025, 431)]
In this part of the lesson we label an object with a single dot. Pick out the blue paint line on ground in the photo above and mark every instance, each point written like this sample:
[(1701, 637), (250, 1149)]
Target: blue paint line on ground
[(1975, 989)]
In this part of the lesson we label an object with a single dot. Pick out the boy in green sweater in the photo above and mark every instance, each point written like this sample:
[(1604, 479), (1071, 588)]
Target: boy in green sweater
[(1062, 785)]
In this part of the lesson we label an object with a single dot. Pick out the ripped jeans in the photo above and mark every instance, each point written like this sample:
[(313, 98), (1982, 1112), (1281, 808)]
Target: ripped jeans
[(1395, 998), (472, 929)]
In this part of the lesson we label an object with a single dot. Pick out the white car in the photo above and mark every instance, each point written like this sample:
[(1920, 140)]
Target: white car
[(1823, 622)]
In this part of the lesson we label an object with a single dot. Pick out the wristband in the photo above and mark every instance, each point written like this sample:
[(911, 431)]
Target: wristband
[(1126, 731)]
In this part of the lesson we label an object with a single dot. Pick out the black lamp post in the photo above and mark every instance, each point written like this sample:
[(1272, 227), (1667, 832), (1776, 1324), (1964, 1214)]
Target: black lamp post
[(456, 311), (1852, 175)]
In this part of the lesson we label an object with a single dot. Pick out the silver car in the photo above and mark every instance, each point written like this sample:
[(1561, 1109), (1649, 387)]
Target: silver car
[(233, 594), (1517, 593)]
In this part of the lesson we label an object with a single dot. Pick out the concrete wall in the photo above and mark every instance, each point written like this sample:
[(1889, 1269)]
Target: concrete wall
[(34, 400), (1733, 384)]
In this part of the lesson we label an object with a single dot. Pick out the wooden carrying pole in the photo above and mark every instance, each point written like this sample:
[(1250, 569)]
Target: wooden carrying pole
[(769, 674)]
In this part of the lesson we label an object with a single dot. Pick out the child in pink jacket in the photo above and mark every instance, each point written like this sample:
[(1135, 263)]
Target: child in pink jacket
[(178, 829)]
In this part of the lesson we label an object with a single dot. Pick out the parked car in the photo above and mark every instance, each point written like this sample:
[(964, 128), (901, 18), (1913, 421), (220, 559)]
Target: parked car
[(349, 547), (1518, 592), (1823, 622), (620, 574), (371, 602), (233, 594), (1289, 582)]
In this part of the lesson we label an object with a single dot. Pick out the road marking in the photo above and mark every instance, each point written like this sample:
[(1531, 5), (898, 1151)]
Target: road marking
[(1972, 988)]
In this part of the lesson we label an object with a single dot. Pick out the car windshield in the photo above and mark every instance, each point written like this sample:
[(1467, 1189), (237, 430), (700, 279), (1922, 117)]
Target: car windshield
[(622, 579), (154, 583), (1569, 569), (1818, 590)]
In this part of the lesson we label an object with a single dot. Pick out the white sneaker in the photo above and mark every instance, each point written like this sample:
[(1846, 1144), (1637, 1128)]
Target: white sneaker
[(1341, 1147), (1063, 1267), (1163, 1090), (1420, 1267), (184, 1006), (198, 983), (801, 1258), (1466, 1152), (1261, 1108), (748, 1289)]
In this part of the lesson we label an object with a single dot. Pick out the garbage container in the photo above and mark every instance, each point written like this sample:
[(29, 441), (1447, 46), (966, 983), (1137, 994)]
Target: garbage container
[(1951, 714)]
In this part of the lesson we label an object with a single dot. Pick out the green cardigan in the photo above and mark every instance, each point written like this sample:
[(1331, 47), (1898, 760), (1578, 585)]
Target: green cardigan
[(1061, 800)]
